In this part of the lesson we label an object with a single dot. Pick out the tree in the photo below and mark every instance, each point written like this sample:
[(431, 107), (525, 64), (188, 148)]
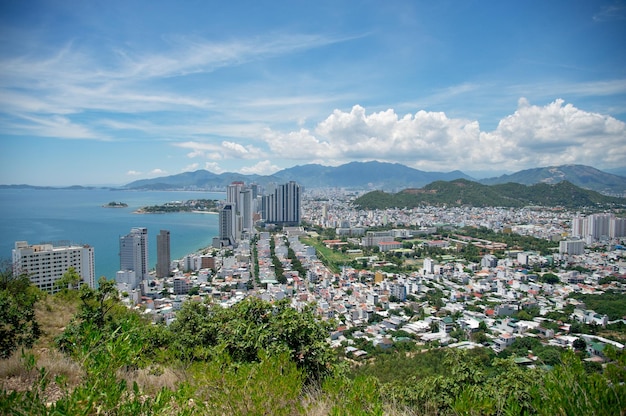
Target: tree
[(251, 327), (550, 278), (97, 303), (69, 281), (579, 344), (18, 326)]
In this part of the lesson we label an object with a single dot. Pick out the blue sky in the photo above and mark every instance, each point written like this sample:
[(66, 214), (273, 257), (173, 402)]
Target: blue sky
[(107, 92)]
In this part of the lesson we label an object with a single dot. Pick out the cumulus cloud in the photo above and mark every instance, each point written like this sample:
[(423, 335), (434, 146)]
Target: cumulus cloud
[(556, 133), (158, 171), (133, 173), (355, 135), (224, 150), (264, 167), (213, 167)]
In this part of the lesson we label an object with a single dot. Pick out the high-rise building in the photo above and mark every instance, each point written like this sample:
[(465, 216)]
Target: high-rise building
[(246, 209), (573, 247), (283, 205), (227, 220), (46, 263), (232, 192), (134, 252), (596, 227), (163, 254)]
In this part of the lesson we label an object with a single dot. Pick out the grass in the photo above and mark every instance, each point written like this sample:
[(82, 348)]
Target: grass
[(54, 313), (333, 259)]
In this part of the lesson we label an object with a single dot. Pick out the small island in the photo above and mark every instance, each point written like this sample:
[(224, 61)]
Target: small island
[(114, 204), (193, 205)]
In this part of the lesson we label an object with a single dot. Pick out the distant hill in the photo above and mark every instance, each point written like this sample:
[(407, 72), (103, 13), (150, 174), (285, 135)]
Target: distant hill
[(201, 179), (580, 175), (354, 175), (462, 192)]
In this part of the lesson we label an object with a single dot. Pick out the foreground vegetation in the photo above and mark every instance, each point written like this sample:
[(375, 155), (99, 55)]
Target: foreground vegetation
[(267, 358)]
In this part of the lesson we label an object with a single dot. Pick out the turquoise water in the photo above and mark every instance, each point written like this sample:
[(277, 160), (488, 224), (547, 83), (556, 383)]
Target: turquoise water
[(77, 215)]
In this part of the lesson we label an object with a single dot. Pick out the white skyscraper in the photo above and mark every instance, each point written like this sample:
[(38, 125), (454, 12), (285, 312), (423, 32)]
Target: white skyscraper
[(134, 252), (46, 263)]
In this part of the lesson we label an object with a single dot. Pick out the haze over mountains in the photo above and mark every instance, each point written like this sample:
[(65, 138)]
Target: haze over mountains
[(386, 176)]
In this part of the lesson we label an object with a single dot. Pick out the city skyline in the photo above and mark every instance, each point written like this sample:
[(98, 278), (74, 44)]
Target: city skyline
[(105, 94)]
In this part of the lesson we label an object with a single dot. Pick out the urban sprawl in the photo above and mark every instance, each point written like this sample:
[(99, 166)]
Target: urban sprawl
[(403, 271)]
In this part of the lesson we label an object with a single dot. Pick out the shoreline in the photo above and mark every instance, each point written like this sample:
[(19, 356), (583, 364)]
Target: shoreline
[(142, 211)]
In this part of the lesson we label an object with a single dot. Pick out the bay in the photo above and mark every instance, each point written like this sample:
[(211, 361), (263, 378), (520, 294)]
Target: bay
[(78, 216)]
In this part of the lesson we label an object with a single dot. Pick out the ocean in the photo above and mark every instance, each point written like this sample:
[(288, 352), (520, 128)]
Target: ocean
[(78, 216)]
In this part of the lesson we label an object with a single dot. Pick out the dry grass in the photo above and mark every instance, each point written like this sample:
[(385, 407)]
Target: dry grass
[(55, 364), (152, 379), (54, 313)]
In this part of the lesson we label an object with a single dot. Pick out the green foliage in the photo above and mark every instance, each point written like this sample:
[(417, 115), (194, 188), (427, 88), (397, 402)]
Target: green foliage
[(570, 390), (550, 278), (187, 206), (69, 281), (18, 326), (360, 396), (334, 260), (610, 303), (512, 240), (463, 192), (547, 354), (251, 327), (270, 386)]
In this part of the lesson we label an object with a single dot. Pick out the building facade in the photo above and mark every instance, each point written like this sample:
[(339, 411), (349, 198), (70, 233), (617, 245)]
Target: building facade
[(227, 221), (283, 205), (46, 263), (134, 252), (163, 254)]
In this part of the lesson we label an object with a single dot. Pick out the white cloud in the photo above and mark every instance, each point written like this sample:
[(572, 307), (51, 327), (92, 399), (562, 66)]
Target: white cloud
[(556, 133), (224, 150), (158, 171), (264, 167), (213, 167), (190, 168), (133, 173), (55, 126)]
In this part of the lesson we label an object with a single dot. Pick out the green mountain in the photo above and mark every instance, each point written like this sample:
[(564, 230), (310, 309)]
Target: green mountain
[(462, 192), (583, 176)]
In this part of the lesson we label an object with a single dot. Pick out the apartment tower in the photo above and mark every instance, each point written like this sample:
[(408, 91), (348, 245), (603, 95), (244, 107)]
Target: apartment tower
[(163, 254), (46, 263), (134, 253)]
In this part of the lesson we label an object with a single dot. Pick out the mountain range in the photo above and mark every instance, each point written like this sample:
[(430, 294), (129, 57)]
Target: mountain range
[(385, 176)]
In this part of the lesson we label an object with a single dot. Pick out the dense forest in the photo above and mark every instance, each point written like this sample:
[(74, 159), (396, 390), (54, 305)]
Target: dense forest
[(462, 192), (95, 356)]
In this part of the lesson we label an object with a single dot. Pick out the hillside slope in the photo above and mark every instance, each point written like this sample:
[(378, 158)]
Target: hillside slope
[(463, 192)]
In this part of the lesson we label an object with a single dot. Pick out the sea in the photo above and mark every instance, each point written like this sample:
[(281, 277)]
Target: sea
[(77, 215)]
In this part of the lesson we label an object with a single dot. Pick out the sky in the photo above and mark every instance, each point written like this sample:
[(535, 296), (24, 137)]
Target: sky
[(108, 92)]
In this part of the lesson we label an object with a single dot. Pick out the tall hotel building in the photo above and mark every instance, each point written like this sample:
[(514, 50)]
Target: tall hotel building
[(163, 254), (227, 221), (134, 253), (46, 263), (283, 206)]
